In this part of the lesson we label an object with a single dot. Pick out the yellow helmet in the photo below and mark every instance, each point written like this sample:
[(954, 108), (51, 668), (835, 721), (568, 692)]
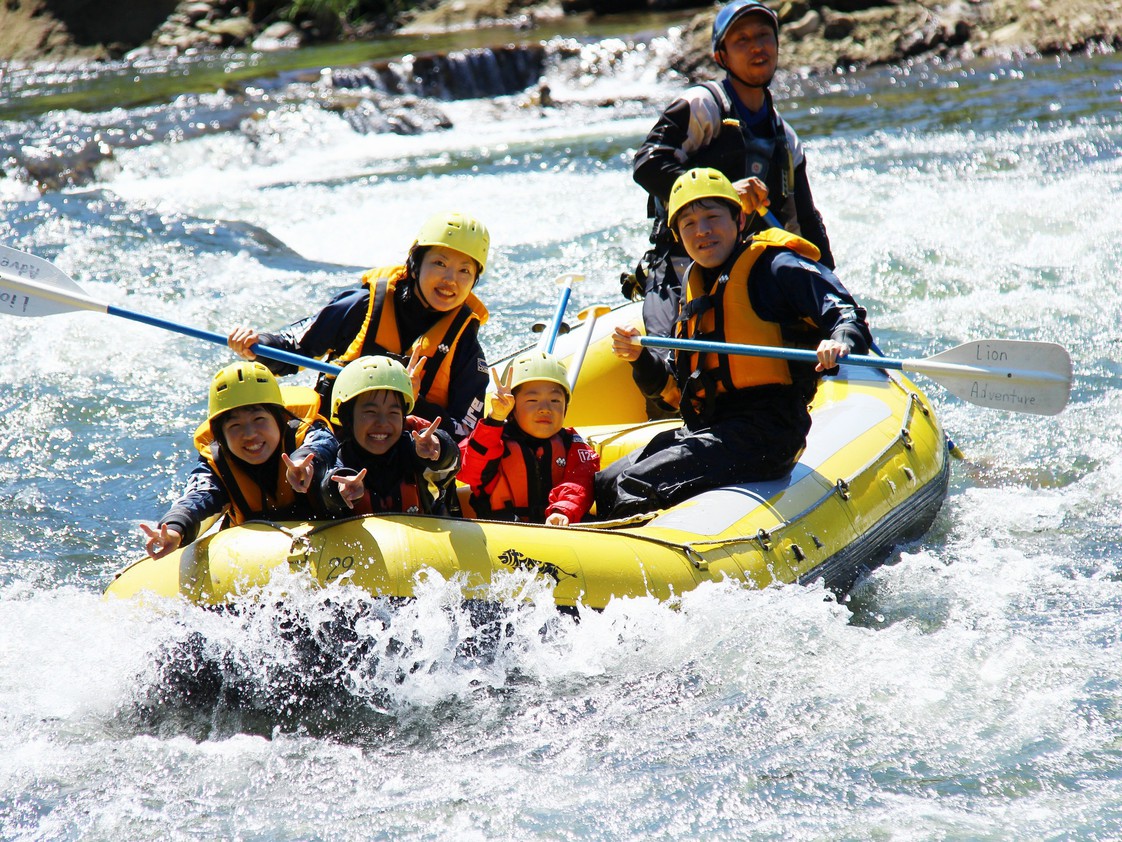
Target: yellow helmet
[(242, 384), (538, 365), (699, 183), (456, 231), (370, 374)]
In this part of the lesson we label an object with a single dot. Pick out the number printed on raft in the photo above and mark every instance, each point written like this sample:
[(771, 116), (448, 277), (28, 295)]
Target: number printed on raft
[(14, 302), (338, 566)]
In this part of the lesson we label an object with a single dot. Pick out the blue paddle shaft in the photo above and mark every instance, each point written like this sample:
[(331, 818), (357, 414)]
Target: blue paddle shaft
[(796, 354), (218, 339), (555, 327)]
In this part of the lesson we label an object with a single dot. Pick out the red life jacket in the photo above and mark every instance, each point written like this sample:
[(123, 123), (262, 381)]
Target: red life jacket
[(517, 486)]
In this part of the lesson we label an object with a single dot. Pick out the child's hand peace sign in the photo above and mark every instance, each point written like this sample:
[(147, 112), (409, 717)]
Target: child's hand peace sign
[(502, 400), (416, 370), (427, 442), (160, 541), (351, 488), (299, 474)]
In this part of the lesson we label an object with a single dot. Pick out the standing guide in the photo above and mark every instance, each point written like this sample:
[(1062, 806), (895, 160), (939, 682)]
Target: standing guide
[(746, 418), (423, 313), (731, 126)]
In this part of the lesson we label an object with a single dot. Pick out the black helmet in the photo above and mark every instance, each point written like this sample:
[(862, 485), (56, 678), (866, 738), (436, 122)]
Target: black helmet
[(733, 12)]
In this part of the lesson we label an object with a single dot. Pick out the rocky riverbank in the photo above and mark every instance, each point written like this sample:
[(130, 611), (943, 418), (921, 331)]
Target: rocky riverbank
[(818, 35), (846, 34)]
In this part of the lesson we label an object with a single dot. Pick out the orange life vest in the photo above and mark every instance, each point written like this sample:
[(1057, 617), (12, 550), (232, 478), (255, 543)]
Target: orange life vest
[(248, 499), (407, 499), (513, 487), (724, 313), (438, 343)]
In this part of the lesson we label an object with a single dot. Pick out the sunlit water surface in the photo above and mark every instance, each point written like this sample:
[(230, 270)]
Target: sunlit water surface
[(969, 690)]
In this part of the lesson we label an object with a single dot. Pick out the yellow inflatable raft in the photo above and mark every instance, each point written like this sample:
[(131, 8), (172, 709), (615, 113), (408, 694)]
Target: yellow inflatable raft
[(873, 475)]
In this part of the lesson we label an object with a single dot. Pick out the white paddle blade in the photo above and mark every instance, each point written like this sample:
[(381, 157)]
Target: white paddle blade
[(27, 282), (1013, 374)]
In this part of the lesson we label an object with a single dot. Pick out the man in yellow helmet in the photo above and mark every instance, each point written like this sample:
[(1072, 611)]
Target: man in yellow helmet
[(746, 418), (731, 126), (423, 313)]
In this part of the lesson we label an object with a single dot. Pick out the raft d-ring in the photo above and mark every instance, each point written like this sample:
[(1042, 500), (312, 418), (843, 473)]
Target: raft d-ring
[(764, 537), (695, 558), (906, 438), (918, 401), (843, 489), (299, 551)]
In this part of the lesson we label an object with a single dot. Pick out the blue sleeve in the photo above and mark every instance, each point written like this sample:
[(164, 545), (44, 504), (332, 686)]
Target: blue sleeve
[(439, 475), (330, 330), (321, 442), (785, 287), (203, 497)]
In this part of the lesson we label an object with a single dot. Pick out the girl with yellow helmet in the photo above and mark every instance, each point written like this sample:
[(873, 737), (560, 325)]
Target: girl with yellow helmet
[(423, 313), (261, 451)]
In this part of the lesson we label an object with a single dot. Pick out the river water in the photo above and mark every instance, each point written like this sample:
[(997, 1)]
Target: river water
[(970, 690)]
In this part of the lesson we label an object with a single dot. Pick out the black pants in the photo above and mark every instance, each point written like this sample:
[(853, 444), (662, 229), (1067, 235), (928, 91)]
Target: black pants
[(677, 464)]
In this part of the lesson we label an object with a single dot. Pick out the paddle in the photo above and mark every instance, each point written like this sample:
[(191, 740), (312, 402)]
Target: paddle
[(566, 282), (769, 217), (1013, 374), (588, 315), (771, 220), (36, 287)]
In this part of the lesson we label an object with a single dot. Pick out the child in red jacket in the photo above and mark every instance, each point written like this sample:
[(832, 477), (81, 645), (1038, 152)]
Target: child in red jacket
[(521, 462)]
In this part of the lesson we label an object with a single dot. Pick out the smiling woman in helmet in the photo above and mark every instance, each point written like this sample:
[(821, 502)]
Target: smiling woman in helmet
[(261, 451), (423, 313)]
